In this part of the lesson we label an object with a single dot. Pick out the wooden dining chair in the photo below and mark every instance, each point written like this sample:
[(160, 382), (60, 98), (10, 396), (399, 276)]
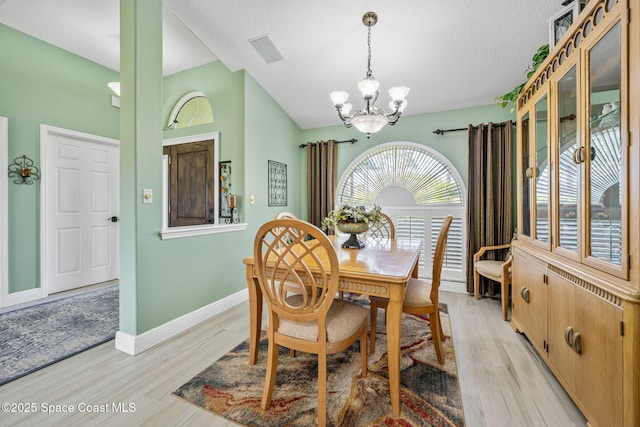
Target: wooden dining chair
[(290, 289), (284, 242), (421, 296), (285, 215), (312, 321), (383, 229), (379, 231), (498, 271)]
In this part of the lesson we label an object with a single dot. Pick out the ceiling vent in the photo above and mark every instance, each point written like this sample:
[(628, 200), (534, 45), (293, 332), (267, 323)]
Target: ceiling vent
[(266, 48)]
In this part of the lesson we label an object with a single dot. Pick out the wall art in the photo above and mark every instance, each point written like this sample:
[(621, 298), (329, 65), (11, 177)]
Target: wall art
[(277, 183), (225, 189)]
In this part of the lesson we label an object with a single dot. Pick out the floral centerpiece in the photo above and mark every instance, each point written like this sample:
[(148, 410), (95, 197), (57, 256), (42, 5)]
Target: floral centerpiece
[(352, 220)]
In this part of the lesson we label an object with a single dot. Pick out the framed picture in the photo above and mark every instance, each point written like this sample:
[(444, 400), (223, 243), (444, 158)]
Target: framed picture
[(225, 188), (561, 21), (277, 183)]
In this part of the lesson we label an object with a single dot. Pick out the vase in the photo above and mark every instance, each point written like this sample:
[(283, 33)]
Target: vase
[(353, 228)]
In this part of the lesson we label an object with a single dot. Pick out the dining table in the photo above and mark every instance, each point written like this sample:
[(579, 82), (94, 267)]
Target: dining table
[(382, 268)]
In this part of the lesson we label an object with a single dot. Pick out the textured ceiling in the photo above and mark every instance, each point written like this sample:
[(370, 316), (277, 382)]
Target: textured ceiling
[(452, 54)]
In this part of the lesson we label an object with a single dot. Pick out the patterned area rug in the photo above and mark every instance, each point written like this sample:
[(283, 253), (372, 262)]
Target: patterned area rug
[(430, 393), (34, 337)]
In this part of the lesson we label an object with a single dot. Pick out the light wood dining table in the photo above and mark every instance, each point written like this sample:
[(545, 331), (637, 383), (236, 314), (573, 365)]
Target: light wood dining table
[(382, 268)]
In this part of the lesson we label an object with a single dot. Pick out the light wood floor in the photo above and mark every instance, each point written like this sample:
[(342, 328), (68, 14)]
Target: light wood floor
[(503, 381)]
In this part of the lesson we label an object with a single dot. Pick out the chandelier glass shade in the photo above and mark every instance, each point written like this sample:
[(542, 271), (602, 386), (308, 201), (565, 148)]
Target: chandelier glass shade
[(370, 119)]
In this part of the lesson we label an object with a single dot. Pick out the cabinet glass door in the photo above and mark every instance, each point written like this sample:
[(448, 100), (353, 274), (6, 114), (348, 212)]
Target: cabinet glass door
[(568, 165), (525, 227), (603, 154), (541, 171)]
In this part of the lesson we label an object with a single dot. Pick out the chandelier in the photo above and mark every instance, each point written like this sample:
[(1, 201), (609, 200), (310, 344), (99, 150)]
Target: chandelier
[(370, 119)]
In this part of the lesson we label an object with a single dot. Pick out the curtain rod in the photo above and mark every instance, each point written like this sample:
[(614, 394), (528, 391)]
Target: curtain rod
[(352, 140), (443, 131)]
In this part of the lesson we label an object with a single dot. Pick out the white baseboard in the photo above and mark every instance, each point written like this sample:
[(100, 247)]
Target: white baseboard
[(24, 296), (136, 344)]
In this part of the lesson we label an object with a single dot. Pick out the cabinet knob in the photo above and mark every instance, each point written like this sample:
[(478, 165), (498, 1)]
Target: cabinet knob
[(573, 339), (524, 293), (579, 155), (576, 343), (568, 332), (575, 156)]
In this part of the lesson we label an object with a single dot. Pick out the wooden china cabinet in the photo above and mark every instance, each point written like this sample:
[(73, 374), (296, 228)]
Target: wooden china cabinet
[(576, 265)]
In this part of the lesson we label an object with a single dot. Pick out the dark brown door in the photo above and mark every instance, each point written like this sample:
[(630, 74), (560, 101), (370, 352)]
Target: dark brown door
[(191, 183)]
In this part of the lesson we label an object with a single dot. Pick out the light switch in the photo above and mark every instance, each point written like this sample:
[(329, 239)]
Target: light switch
[(147, 195), (252, 199)]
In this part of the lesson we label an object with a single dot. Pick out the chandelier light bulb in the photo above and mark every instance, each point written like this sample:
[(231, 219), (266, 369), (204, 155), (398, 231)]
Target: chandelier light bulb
[(368, 88), (398, 93), (339, 97), (403, 104), (370, 119)]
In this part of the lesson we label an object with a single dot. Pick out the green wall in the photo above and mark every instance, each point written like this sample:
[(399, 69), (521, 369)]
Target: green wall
[(160, 280), (175, 277), (270, 135), (215, 81), (417, 129), (163, 280), (185, 274), (41, 84)]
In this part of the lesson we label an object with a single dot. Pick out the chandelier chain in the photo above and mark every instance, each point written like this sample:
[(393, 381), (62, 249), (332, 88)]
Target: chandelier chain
[(369, 72)]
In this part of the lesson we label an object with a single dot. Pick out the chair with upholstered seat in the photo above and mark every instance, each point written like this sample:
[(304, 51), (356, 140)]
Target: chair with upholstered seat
[(421, 296), (383, 229), (311, 320), (283, 242), (379, 231), (498, 271), (290, 289), (285, 215)]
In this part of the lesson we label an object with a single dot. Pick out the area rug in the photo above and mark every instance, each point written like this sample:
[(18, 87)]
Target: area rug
[(38, 336), (430, 394)]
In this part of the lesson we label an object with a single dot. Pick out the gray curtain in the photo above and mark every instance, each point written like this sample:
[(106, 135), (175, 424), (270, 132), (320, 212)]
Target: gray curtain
[(490, 194), (322, 165)]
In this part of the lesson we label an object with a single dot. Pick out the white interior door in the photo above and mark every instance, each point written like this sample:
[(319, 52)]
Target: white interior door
[(80, 179)]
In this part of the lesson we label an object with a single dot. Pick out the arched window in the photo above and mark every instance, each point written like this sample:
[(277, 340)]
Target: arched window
[(191, 110), (417, 187)]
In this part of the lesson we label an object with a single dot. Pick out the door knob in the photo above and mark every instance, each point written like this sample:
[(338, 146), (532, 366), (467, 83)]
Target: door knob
[(113, 219)]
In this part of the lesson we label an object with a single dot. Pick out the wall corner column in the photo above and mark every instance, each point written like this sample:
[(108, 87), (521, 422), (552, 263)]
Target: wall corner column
[(141, 143)]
